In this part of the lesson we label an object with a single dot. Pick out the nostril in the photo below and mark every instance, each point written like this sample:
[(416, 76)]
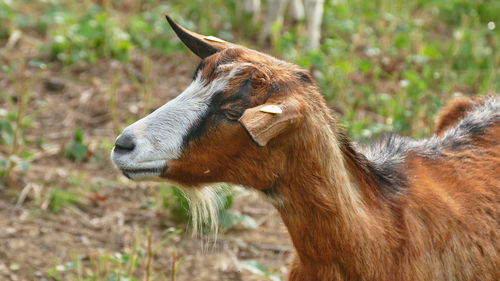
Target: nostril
[(125, 143)]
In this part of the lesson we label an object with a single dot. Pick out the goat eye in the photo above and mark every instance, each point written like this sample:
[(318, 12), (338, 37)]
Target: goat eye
[(232, 114)]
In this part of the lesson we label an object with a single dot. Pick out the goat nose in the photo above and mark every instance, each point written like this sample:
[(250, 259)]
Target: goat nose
[(124, 143)]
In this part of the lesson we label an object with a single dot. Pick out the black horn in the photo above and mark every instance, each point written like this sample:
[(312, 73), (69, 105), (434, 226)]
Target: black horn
[(202, 46)]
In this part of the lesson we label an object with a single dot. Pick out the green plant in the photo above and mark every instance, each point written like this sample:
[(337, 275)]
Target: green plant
[(133, 264), (13, 126), (77, 150), (6, 13), (6, 128), (148, 31), (230, 218), (95, 34), (386, 60), (60, 198), (258, 268)]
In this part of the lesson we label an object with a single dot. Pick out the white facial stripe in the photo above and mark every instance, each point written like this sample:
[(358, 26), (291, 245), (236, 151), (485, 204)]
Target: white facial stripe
[(159, 136), (165, 127)]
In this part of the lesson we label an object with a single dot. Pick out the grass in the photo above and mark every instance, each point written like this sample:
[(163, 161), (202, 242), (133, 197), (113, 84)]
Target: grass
[(384, 66), (15, 123), (132, 265), (388, 65)]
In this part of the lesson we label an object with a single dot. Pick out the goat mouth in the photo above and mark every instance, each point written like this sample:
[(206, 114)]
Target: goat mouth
[(137, 174)]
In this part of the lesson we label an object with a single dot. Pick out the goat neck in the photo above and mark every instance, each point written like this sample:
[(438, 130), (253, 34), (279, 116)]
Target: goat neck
[(330, 206)]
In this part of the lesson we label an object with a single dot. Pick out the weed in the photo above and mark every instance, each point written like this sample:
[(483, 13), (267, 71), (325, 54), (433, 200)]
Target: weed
[(14, 124), (6, 14), (77, 150), (148, 31), (95, 34), (258, 268), (126, 265), (60, 198), (113, 89), (6, 128)]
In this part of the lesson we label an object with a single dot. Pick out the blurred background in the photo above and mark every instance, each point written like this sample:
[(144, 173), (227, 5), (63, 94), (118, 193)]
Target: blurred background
[(74, 73)]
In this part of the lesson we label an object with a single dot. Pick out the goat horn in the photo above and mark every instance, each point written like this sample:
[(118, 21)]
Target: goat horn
[(202, 46)]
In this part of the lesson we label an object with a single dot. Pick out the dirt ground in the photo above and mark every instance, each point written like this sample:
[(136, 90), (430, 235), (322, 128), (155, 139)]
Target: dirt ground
[(110, 217)]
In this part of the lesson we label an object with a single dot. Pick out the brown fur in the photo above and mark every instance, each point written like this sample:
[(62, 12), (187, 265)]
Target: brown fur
[(452, 114), (445, 225)]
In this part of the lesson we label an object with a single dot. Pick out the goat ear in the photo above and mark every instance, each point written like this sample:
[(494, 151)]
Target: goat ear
[(269, 120), (202, 46)]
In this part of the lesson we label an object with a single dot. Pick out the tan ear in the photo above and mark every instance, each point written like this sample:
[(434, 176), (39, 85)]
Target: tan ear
[(269, 120), (202, 46)]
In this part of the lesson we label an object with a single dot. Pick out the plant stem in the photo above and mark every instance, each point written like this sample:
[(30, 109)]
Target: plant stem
[(149, 261)]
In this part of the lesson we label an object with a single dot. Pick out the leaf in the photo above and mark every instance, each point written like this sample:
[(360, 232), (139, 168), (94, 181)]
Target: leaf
[(230, 219), (248, 222), (65, 267), (6, 132), (96, 197), (60, 198), (122, 258), (258, 268), (37, 64), (24, 165), (77, 150), (180, 206), (78, 135), (254, 267), (121, 277)]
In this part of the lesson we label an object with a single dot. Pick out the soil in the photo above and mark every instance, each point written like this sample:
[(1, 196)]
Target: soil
[(112, 212)]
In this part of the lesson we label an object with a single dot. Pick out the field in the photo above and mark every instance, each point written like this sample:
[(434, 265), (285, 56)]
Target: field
[(73, 74)]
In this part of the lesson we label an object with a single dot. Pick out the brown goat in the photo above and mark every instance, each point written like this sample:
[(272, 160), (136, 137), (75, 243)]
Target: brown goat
[(453, 113), (400, 209)]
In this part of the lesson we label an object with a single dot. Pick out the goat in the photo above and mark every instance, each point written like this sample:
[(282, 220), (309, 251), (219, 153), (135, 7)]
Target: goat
[(399, 209), (311, 10), (453, 113)]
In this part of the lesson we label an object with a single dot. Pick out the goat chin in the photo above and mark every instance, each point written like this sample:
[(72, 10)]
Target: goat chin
[(204, 203)]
